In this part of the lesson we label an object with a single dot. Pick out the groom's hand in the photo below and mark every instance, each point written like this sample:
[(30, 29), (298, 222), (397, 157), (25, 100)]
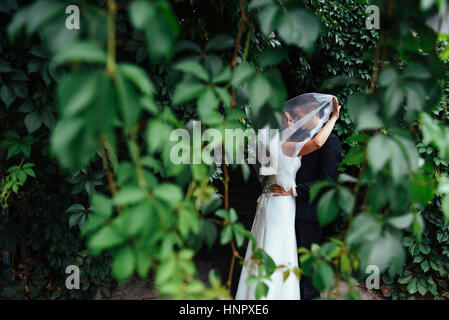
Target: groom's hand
[(279, 190)]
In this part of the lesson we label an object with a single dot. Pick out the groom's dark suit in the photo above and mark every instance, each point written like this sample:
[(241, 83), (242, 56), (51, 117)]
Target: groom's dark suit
[(319, 165)]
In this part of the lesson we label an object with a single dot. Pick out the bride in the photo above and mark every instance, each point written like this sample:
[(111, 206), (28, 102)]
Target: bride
[(304, 131)]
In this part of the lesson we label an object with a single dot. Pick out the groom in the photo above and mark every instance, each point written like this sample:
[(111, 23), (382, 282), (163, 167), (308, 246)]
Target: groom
[(322, 164)]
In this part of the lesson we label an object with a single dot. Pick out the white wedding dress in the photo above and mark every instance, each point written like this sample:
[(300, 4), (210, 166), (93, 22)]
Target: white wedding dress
[(274, 230), (274, 223)]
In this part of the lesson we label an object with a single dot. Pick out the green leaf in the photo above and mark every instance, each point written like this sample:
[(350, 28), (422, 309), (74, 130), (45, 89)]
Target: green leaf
[(443, 184), (416, 71), (75, 219), (33, 121), (388, 77), (425, 266), (158, 134), (261, 290), (445, 206), (415, 99), (219, 42), (422, 287), (435, 133), (226, 234), (369, 121), (224, 75), (364, 228), (355, 156), (239, 232), (224, 96), (17, 23), (405, 280), (193, 68), (129, 195), (187, 90), (340, 81), (208, 232), (105, 238), (408, 147), (278, 94), (426, 4), (269, 17), (401, 222), (30, 172), (251, 280), (385, 252), (398, 163), (243, 72), (222, 213), (271, 57), (213, 205), (7, 94), (418, 226), (316, 187), (346, 178), (346, 199), (413, 286), (188, 221), (76, 91), (199, 171), (393, 98), (300, 28), (160, 25), (207, 105), (102, 205), (102, 114), (445, 54), (134, 219), (435, 265), (72, 143), (124, 263), (81, 52), (363, 110), (169, 193), (378, 152), (41, 12), (166, 270), (137, 76), (259, 91), (48, 119), (345, 263), (129, 104), (259, 3), (327, 210), (232, 215), (139, 12), (423, 189), (143, 263), (187, 45), (323, 277)]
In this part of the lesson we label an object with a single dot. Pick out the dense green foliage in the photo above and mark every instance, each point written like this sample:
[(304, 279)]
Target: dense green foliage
[(36, 240), (426, 271), (87, 115)]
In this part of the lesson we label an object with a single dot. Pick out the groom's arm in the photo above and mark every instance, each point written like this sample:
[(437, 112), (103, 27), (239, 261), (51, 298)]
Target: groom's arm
[(330, 155)]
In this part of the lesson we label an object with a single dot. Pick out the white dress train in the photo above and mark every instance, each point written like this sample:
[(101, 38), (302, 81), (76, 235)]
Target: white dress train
[(274, 230)]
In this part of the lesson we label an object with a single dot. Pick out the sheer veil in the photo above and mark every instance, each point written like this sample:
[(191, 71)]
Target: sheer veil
[(303, 117)]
